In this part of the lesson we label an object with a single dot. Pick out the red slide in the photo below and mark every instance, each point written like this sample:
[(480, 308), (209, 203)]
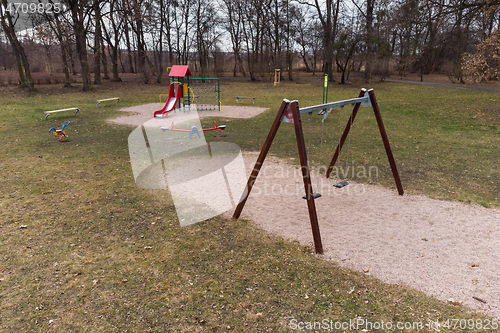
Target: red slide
[(171, 101)]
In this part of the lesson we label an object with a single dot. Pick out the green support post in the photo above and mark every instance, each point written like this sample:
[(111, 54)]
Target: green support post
[(325, 89)]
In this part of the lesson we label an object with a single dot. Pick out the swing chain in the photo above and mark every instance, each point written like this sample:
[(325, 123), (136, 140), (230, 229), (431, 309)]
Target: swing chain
[(348, 144)]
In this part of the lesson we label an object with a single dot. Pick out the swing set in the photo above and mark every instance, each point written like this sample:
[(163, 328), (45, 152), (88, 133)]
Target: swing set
[(289, 112)]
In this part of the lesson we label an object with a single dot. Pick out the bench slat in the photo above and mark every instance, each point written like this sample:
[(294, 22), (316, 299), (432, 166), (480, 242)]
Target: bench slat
[(242, 97), (117, 99), (48, 113), (107, 99)]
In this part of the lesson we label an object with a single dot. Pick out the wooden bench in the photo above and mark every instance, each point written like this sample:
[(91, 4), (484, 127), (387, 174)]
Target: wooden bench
[(48, 113), (117, 99), (241, 97)]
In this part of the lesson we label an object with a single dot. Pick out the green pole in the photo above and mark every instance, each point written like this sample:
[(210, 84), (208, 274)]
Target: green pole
[(218, 93), (189, 97), (325, 89), (182, 91)]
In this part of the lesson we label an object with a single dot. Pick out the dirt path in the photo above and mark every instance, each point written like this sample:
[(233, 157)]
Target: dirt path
[(449, 250)]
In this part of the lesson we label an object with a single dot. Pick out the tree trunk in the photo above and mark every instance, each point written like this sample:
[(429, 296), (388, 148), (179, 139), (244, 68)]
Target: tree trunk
[(97, 43), (141, 45), (160, 55), (21, 58), (55, 25), (77, 15), (369, 40), (71, 59), (129, 50), (329, 26), (104, 59), (65, 66)]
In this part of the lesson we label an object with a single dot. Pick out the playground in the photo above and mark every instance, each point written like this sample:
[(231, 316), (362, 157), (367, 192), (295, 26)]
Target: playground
[(84, 244), (408, 239)]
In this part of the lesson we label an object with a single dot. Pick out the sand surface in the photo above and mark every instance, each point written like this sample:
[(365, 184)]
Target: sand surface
[(142, 113), (449, 250)]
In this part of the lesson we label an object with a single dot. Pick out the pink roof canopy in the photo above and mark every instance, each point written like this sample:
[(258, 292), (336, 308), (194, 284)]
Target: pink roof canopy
[(179, 71)]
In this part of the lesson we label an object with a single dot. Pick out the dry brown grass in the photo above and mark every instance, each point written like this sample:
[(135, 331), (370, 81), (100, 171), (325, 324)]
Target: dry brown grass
[(83, 249)]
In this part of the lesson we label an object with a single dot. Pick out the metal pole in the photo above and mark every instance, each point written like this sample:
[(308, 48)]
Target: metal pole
[(325, 89), (218, 94)]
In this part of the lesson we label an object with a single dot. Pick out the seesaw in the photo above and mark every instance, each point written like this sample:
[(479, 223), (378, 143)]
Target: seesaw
[(193, 129), (60, 134)]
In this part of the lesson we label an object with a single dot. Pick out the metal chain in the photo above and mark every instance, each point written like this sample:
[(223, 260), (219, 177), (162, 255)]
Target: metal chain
[(348, 145)]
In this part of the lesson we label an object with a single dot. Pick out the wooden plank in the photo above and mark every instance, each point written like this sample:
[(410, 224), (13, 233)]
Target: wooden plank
[(117, 99), (48, 113), (243, 97), (260, 159), (311, 206), (385, 140)]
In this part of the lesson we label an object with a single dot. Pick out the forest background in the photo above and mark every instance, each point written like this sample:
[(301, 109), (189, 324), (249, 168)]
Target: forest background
[(90, 40)]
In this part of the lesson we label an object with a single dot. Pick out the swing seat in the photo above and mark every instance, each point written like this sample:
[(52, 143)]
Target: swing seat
[(341, 184), (315, 196)]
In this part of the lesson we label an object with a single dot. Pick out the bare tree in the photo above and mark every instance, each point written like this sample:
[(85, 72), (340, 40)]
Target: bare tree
[(138, 9), (161, 5), (97, 42), (114, 23), (104, 60), (234, 22), (79, 14), (345, 48), (328, 18), (304, 33), (58, 27), (206, 35), (253, 30), (23, 66)]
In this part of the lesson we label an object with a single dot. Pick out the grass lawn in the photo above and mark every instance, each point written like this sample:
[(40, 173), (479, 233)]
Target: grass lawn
[(83, 249)]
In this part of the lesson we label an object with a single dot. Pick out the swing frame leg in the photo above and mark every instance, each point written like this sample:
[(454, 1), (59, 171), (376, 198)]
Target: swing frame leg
[(303, 161), (383, 134), (311, 206), (344, 135), (260, 160)]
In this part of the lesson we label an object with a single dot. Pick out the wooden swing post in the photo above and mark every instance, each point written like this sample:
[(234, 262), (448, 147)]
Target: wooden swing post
[(344, 135), (383, 134), (289, 112), (292, 110)]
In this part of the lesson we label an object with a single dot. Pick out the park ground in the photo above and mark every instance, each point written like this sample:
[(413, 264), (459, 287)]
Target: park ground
[(85, 249)]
